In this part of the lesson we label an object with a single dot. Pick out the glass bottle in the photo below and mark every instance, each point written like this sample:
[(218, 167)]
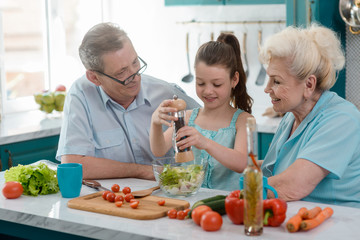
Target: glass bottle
[(253, 189)]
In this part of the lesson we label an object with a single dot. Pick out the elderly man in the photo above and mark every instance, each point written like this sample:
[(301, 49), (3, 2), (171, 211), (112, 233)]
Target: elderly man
[(107, 112)]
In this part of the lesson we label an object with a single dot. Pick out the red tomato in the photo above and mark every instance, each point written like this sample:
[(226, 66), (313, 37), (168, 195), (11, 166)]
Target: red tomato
[(181, 215), (110, 197), (172, 213), (115, 188), (134, 204), (119, 198), (105, 193), (126, 190), (133, 200), (12, 190), (161, 202), (119, 203), (128, 197), (211, 221), (198, 212), (187, 211)]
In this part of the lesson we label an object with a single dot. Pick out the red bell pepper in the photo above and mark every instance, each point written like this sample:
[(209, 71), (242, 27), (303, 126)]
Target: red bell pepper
[(274, 212), (274, 209), (234, 207)]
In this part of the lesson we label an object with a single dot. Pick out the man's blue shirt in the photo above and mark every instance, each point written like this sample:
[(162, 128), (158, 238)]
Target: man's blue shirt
[(95, 125)]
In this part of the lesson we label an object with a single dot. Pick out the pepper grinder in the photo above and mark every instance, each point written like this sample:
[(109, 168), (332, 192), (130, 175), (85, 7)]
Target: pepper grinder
[(181, 155)]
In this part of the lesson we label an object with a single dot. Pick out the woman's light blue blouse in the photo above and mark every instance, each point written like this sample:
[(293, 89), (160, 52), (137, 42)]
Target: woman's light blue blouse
[(329, 137)]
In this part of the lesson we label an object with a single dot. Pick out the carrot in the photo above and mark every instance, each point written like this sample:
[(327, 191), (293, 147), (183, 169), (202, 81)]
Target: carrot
[(310, 214), (252, 156), (320, 218), (293, 224)]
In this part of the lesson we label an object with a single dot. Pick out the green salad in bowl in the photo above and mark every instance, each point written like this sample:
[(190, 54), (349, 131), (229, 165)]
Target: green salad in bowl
[(179, 179)]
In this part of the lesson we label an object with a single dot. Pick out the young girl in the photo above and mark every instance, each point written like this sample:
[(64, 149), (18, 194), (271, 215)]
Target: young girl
[(217, 131)]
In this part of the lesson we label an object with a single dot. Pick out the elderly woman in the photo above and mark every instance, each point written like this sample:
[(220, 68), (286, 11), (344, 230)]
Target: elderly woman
[(315, 153)]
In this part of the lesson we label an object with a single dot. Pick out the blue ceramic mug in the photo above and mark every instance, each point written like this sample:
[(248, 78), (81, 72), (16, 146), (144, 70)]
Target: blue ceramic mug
[(69, 177), (266, 187)]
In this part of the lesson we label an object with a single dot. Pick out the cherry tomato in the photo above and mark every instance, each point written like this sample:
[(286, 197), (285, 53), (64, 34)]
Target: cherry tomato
[(181, 215), (134, 204), (119, 198), (187, 211), (172, 213), (211, 221), (12, 190), (133, 200), (119, 203), (126, 190), (128, 197), (198, 212), (110, 197), (161, 202), (115, 188), (105, 193)]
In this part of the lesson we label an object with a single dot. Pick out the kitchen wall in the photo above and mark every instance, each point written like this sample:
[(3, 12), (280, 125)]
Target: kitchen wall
[(352, 87), (158, 34)]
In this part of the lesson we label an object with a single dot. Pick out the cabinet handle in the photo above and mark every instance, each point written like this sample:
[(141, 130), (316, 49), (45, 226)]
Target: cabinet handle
[(10, 163), (0, 164)]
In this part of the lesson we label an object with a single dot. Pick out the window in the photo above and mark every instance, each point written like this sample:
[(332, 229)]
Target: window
[(39, 42)]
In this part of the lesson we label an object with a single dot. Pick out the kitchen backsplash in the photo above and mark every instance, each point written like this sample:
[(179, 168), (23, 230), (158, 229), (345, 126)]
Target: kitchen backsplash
[(159, 35)]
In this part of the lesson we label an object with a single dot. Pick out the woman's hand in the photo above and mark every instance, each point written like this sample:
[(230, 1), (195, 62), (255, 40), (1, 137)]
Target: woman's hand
[(161, 114), (193, 138)]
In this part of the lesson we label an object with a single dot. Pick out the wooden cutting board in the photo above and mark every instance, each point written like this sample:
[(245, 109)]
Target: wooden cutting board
[(148, 207)]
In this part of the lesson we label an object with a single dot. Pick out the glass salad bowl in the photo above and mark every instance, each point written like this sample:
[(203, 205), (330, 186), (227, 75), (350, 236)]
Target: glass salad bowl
[(179, 179)]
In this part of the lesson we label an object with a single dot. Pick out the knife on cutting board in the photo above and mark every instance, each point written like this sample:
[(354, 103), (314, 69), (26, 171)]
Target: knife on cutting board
[(94, 184)]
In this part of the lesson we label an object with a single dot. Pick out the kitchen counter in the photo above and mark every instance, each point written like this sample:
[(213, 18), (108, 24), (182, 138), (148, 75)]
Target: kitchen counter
[(50, 213), (25, 126), (265, 124)]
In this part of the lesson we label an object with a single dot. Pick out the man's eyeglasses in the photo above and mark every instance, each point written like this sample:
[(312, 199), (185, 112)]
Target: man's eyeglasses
[(142, 68)]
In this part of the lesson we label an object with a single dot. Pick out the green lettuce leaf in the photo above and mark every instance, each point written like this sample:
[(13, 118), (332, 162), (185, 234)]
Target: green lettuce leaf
[(178, 176)]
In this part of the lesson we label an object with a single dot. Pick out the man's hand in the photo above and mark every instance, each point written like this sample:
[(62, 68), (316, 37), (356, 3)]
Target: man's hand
[(161, 115)]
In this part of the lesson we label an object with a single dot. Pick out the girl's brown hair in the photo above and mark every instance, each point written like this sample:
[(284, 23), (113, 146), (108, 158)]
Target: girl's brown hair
[(225, 51)]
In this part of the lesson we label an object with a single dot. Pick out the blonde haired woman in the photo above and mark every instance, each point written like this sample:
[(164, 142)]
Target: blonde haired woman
[(315, 153)]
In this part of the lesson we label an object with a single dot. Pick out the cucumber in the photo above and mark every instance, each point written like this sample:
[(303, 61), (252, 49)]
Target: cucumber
[(217, 206), (206, 200)]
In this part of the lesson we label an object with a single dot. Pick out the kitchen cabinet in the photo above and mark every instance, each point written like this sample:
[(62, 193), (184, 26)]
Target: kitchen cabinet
[(220, 2), (27, 152), (326, 13), (264, 141)]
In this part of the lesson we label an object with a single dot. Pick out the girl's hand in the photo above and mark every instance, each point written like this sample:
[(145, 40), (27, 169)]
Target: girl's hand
[(161, 114), (193, 138)]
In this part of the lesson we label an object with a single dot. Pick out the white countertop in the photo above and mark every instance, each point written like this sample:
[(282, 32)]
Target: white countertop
[(51, 212), (25, 126)]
